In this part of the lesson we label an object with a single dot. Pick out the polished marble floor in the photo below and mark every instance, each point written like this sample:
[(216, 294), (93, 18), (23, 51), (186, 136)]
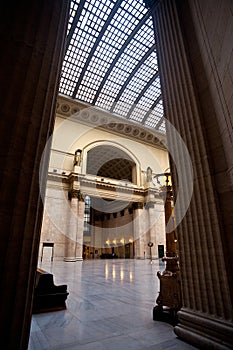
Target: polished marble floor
[(109, 307)]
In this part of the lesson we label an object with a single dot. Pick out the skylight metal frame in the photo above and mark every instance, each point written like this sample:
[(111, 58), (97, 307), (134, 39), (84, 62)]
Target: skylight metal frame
[(110, 60)]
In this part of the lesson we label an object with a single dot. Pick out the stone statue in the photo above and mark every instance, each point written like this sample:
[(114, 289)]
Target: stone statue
[(77, 157), (148, 174)]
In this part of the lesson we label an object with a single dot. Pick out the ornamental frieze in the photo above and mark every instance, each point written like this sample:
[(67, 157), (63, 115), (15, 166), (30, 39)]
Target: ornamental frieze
[(84, 113)]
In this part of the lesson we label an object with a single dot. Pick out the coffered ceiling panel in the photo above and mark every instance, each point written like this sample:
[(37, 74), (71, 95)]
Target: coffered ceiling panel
[(110, 162)]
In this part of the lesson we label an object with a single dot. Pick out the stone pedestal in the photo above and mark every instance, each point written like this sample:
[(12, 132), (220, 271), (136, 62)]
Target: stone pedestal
[(169, 298)]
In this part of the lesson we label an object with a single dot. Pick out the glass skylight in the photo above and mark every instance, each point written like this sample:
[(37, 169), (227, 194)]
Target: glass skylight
[(111, 61)]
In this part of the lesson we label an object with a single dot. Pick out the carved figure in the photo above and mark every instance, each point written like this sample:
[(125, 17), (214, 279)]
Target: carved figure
[(148, 174), (77, 157)]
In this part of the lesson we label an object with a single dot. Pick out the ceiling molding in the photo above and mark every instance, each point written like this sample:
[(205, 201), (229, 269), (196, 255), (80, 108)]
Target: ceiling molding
[(90, 115)]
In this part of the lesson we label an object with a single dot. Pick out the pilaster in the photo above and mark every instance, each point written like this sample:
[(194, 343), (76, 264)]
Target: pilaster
[(32, 37), (205, 284), (139, 239)]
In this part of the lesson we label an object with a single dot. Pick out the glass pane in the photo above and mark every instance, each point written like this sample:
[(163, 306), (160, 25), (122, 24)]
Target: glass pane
[(105, 65)]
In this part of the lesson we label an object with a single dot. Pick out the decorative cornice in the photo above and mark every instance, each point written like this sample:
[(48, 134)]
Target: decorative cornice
[(58, 178), (78, 186), (79, 111)]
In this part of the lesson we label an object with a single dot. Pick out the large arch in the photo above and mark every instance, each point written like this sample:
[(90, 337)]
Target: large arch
[(110, 151)]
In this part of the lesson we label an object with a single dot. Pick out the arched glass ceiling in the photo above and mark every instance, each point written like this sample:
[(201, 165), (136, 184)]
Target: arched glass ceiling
[(110, 60)]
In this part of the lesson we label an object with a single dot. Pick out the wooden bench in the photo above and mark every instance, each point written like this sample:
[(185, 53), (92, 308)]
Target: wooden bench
[(48, 296)]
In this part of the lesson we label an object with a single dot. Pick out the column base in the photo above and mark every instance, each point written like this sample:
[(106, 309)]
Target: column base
[(203, 332), (71, 259), (165, 314)]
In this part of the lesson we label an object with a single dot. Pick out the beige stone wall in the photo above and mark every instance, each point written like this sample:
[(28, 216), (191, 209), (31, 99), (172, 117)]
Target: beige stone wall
[(70, 135), (54, 225), (157, 228)]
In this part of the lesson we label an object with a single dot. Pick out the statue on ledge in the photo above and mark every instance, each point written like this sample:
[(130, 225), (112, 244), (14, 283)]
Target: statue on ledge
[(149, 174), (77, 157)]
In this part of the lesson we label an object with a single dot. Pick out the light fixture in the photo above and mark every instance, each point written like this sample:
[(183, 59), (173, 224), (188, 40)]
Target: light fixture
[(162, 180)]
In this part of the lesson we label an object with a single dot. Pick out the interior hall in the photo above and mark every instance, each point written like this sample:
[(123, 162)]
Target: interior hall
[(116, 174)]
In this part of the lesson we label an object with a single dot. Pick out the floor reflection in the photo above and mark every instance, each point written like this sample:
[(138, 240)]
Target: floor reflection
[(109, 306)]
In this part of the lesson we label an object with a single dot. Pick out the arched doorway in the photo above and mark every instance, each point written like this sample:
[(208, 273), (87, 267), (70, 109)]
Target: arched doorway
[(108, 216)]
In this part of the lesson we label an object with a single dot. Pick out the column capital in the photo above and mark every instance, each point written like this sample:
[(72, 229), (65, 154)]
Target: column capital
[(149, 205), (75, 194), (137, 205)]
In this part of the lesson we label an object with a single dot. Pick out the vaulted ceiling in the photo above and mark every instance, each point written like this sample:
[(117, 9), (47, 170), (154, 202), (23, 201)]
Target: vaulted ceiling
[(110, 60), (110, 162)]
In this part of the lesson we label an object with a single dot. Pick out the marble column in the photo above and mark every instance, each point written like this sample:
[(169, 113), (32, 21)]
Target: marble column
[(75, 225), (139, 234), (157, 227), (206, 315), (32, 41), (150, 234), (98, 241), (153, 220)]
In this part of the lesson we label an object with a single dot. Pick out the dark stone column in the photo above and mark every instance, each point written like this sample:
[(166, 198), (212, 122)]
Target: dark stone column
[(32, 38), (196, 101)]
